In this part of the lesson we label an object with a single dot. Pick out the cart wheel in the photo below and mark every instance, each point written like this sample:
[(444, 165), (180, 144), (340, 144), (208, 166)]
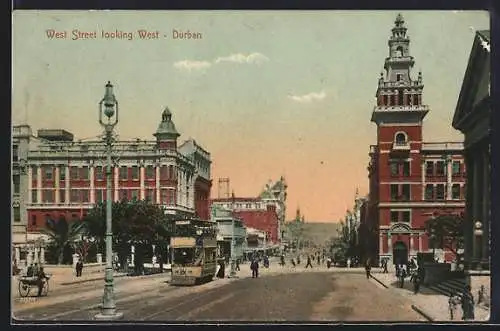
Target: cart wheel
[(24, 289), (45, 289)]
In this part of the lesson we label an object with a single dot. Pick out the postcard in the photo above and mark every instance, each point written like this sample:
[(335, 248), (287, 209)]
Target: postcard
[(251, 166)]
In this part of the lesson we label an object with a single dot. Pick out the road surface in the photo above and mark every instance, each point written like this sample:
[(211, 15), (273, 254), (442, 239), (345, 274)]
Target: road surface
[(312, 295)]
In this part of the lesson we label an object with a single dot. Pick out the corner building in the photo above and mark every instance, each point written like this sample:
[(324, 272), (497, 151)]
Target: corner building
[(410, 180), (66, 178)]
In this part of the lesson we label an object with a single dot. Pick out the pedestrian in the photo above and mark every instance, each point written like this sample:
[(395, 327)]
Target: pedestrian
[(328, 262), (318, 260), (384, 265), (237, 264), (309, 264), (298, 259), (453, 302), (348, 262), (293, 262), (368, 268), (467, 304), (255, 268), (415, 278), (41, 278), (79, 268), (282, 260)]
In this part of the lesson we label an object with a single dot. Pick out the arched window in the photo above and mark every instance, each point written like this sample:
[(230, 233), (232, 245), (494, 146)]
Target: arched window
[(400, 138), (399, 51)]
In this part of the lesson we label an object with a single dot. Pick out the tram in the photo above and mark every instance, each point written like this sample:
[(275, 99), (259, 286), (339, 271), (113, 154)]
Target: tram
[(194, 251)]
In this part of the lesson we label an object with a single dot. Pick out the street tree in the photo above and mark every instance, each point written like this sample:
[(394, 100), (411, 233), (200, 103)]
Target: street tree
[(63, 234), (136, 222), (446, 231)]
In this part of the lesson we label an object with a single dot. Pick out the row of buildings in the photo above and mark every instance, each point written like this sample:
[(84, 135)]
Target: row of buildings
[(412, 180), (56, 176)]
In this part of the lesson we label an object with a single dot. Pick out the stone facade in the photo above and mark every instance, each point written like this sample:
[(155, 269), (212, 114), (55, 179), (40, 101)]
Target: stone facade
[(472, 118)]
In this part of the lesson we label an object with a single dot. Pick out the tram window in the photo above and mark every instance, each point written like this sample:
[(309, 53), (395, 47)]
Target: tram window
[(183, 255)]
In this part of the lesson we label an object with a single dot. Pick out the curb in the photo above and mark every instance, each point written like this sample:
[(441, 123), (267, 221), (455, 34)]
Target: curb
[(88, 280), (378, 281), (423, 313)]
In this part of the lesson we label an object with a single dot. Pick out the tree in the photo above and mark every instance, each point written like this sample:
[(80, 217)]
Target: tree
[(63, 234), (137, 222), (446, 230)]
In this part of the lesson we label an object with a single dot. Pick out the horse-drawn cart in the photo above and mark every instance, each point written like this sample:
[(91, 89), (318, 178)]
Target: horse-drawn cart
[(26, 283)]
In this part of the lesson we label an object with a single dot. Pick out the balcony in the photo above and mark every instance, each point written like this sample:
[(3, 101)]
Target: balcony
[(401, 146)]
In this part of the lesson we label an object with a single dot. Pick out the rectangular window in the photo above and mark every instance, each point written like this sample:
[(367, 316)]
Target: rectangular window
[(123, 173), (85, 195), (123, 195), (99, 196), (163, 173), (47, 196), (48, 173), (429, 192), (73, 173), (16, 183), (394, 168), (406, 168), (134, 194), (455, 167), (440, 192), (34, 173), (170, 172), (84, 173), (164, 197), (62, 196), (455, 191), (15, 153), (135, 173), (99, 173), (150, 195), (406, 217), (34, 196), (406, 192), (150, 172), (74, 196), (440, 168), (429, 168), (394, 192), (17, 214), (394, 216), (62, 173)]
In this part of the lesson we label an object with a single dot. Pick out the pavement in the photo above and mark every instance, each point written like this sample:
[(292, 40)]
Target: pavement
[(430, 304), (279, 294)]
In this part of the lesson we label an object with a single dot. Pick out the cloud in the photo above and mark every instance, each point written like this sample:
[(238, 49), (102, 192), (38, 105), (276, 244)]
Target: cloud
[(189, 65), (310, 97), (256, 58)]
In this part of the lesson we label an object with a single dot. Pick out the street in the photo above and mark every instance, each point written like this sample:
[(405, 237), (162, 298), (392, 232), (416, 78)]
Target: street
[(278, 295)]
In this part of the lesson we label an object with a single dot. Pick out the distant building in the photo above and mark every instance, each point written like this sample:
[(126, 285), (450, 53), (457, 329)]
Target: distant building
[(410, 180), (225, 221), (266, 212), (61, 177), (472, 118)]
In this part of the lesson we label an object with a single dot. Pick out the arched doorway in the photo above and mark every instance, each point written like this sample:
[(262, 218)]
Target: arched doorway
[(400, 253)]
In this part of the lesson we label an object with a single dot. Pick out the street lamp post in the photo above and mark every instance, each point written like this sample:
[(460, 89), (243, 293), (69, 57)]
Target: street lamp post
[(107, 108), (232, 273)]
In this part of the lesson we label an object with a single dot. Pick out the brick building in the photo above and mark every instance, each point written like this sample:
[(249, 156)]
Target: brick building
[(255, 213), (410, 180), (66, 178)]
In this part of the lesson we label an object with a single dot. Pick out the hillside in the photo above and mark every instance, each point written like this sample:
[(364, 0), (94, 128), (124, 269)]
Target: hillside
[(320, 232)]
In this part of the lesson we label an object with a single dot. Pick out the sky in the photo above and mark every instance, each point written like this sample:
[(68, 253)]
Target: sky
[(267, 93)]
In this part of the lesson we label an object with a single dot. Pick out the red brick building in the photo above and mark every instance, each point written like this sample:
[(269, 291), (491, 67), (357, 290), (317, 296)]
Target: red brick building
[(255, 213), (409, 180), (67, 177)]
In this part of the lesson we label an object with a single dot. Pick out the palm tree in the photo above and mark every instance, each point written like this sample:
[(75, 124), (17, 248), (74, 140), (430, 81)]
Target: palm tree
[(62, 234)]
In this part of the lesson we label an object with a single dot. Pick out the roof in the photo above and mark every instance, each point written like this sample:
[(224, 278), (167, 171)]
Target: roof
[(167, 127), (480, 44)]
